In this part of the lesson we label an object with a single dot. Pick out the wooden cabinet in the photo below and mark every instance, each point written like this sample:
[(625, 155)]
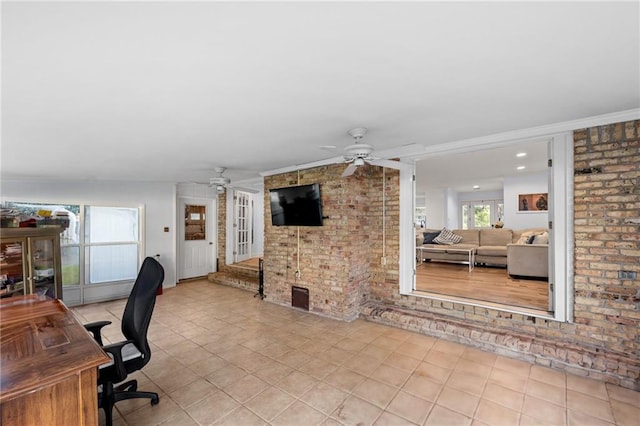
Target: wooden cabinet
[(30, 262)]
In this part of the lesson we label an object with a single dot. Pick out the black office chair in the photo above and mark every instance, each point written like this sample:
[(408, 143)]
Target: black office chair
[(134, 353)]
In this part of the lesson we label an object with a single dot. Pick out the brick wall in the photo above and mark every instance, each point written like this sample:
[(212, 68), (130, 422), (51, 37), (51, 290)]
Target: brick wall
[(336, 260)]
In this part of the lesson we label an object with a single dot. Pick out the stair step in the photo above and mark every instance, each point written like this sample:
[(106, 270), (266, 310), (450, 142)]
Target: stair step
[(234, 280)]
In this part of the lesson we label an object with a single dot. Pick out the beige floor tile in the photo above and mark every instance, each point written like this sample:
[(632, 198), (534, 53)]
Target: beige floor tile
[(390, 375), (387, 342), (362, 364), (324, 397), (414, 350), (495, 414), (508, 380), (544, 411), (195, 355), (273, 372), (402, 362), (208, 365), (376, 352), (344, 379), (193, 392), (298, 414), (240, 417), (623, 395), (547, 392), (294, 358), (351, 345), (433, 372), (589, 405), (183, 345), (467, 382), (375, 392), (549, 376), (471, 367), (356, 412), (625, 414), (212, 408), (175, 379), (246, 388), (513, 366), (587, 386), (441, 359), (422, 387), (318, 368), (336, 355), (410, 407), (451, 348), (458, 401), (270, 402), (441, 416), (389, 419), (180, 419), (479, 356), (153, 414), (296, 383), (227, 376), (503, 396), (577, 418)]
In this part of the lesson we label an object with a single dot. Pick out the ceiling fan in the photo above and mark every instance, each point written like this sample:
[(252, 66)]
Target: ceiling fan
[(220, 182), (360, 154)]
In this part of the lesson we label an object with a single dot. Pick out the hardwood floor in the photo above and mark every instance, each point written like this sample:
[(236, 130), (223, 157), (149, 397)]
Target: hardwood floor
[(485, 283)]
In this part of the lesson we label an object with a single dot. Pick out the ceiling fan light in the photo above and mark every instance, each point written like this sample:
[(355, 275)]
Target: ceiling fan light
[(358, 161)]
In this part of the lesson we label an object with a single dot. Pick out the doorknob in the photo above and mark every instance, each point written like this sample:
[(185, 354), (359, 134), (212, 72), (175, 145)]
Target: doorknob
[(210, 244)]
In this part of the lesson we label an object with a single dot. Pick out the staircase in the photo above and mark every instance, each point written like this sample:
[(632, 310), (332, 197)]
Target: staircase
[(244, 277)]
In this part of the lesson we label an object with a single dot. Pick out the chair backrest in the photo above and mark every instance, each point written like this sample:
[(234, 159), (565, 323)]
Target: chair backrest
[(137, 312)]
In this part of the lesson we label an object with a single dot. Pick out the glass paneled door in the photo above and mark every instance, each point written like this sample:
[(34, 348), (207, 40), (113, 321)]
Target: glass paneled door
[(243, 226)]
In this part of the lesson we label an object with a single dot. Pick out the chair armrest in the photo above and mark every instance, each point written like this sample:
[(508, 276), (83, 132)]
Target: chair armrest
[(115, 349), (95, 329)]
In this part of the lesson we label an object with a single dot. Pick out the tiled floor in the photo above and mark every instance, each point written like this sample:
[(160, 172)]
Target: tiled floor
[(221, 356)]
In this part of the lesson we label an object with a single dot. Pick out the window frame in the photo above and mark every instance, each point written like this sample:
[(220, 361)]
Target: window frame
[(560, 235)]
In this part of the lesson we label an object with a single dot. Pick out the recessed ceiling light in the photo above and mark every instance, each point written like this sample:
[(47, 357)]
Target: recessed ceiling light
[(521, 154), (476, 186), (521, 167)]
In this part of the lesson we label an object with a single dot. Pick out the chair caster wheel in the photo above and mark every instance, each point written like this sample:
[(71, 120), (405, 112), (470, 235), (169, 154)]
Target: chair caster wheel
[(155, 401)]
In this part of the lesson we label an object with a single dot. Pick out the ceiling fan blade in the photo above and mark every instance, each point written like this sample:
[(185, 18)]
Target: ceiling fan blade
[(349, 170), (390, 164)]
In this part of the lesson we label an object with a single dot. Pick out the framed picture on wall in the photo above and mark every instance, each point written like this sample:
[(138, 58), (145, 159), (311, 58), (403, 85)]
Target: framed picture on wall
[(531, 203)]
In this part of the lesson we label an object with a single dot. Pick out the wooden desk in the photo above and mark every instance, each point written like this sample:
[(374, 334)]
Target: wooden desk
[(48, 365)]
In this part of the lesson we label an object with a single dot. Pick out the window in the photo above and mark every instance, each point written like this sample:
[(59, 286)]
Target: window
[(100, 245), (480, 214), (111, 235)]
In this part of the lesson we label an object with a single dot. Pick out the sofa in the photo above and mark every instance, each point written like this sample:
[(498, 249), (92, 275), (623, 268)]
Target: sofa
[(523, 252)]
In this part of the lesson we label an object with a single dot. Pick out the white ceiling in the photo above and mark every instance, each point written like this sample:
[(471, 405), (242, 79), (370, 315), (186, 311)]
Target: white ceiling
[(168, 90)]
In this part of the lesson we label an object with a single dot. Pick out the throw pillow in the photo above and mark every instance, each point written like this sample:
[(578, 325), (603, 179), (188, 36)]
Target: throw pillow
[(541, 239), (429, 237), (530, 239), (447, 237), (525, 237)]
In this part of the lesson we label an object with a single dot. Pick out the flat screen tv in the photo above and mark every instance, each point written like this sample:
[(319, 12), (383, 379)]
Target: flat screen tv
[(296, 205)]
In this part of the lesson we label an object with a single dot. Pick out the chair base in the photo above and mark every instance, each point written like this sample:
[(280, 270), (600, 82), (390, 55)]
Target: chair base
[(128, 390)]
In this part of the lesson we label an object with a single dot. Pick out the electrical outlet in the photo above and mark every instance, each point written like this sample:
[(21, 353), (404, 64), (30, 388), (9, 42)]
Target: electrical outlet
[(383, 260)]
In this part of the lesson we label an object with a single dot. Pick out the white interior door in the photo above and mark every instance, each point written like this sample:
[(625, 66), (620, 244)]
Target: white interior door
[(243, 225), (197, 237)]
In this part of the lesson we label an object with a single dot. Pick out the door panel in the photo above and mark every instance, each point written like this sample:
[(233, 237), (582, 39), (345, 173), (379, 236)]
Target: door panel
[(196, 237)]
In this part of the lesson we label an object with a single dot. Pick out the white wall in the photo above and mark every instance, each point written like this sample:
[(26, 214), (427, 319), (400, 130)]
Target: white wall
[(257, 247), (524, 184), (451, 209), (158, 200), (435, 208)]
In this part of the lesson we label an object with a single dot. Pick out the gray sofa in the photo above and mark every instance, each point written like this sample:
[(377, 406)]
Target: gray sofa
[(502, 246)]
